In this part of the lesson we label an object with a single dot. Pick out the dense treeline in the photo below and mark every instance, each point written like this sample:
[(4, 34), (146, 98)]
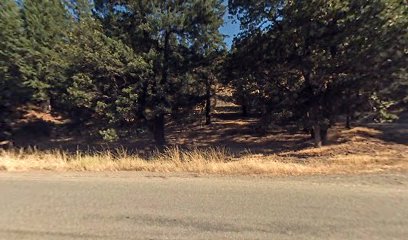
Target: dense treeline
[(123, 65), (312, 61)]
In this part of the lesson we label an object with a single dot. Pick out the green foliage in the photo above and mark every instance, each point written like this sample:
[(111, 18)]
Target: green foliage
[(104, 76), (109, 135), (134, 64), (318, 58), (46, 24), (12, 48), (174, 37), (380, 108)]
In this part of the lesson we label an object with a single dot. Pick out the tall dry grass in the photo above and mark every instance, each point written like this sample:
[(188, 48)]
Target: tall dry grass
[(208, 161)]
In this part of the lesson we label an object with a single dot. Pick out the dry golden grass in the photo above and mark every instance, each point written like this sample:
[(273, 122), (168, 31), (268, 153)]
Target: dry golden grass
[(209, 161), (361, 149)]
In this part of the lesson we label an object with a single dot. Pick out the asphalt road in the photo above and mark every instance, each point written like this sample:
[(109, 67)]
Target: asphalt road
[(146, 206)]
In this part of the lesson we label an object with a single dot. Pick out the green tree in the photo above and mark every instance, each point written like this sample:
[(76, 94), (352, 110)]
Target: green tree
[(169, 35), (46, 25), (12, 43), (319, 57), (98, 76), (104, 78)]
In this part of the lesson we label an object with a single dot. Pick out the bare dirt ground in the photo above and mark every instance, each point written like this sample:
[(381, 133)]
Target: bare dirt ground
[(228, 129)]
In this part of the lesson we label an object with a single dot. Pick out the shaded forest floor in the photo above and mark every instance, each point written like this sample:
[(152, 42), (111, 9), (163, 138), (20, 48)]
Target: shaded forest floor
[(368, 147)]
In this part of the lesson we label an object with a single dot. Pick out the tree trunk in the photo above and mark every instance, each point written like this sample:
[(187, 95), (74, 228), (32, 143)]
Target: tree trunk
[(314, 114), (2, 131), (208, 112), (332, 121), (315, 124), (311, 131), (208, 103), (159, 121), (317, 135), (348, 112), (348, 120), (323, 135), (158, 130)]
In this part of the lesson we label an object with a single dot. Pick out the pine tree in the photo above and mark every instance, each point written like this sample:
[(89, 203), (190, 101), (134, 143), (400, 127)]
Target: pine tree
[(11, 51), (103, 76), (46, 25), (167, 34), (320, 58)]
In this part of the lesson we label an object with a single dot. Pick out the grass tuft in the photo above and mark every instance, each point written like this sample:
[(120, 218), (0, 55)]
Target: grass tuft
[(203, 161)]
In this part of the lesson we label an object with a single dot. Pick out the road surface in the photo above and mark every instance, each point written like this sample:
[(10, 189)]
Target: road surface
[(150, 206)]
